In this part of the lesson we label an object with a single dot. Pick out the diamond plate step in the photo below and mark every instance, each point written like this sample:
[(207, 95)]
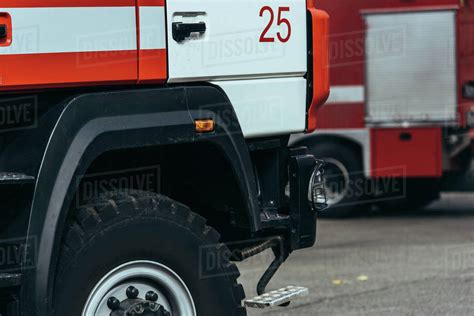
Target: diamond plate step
[(277, 297)]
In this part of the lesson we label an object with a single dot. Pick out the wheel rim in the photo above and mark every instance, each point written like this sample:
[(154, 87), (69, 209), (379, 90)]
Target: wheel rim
[(145, 276), (337, 180)]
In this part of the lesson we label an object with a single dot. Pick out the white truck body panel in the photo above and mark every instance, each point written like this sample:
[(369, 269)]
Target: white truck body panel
[(262, 108), (36, 30)]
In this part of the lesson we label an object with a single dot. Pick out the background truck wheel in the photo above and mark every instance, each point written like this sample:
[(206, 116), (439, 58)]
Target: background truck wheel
[(344, 178), (145, 251)]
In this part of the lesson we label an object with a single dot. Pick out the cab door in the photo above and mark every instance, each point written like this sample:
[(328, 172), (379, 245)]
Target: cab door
[(222, 39), (255, 50)]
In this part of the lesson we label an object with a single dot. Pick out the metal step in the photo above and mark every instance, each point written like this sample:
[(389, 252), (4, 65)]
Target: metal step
[(10, 279), (277, 297), (15, 178)]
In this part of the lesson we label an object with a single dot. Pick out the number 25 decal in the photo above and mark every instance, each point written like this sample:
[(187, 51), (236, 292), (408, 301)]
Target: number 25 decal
[(281, 20)]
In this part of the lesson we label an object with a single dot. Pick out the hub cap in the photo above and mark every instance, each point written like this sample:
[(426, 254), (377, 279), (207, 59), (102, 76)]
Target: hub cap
[(337, 181), (140, 288)]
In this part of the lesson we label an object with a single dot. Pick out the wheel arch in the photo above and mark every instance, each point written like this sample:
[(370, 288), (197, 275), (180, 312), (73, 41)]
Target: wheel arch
[(97, 123), (208, 186), (357, 140)]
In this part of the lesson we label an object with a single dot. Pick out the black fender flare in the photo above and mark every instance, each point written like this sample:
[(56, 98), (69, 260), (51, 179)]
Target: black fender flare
[(94, 123)]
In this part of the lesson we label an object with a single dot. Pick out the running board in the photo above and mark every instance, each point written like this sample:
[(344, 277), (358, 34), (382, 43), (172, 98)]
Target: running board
[(15, 178), (277, 297), (10, 279)]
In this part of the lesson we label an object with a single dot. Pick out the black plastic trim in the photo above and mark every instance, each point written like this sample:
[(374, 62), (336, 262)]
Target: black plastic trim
[(94, 123)]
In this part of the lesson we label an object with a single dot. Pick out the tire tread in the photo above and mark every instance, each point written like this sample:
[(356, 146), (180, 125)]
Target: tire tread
[(110, 207)]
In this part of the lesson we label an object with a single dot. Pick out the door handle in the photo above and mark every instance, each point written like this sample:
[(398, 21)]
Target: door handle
[(183, 30), (3, 31), (405, 137), (468, 90)]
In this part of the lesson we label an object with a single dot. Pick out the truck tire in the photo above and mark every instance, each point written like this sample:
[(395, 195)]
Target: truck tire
[(344, 178), (126, 244)]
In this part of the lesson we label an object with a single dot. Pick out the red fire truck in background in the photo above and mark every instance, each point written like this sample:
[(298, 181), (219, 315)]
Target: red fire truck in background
[(402, 100)]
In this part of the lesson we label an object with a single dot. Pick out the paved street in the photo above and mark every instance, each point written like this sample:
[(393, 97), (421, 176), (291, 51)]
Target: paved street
[(412, 263)]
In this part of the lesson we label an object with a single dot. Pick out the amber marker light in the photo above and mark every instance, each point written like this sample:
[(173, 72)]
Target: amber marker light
[(204, 126)]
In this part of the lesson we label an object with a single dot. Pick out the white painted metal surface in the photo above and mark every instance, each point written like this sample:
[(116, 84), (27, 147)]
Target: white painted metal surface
[(411, 74), (152, 28), (267, 107), (346, 94), (230, 47), (72, 29)]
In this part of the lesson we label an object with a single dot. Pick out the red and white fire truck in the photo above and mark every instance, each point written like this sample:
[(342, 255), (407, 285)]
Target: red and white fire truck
[(402, 100), (144, 148)]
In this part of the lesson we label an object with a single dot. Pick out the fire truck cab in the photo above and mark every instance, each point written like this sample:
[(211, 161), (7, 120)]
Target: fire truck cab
[(396, 124), (144, 150)]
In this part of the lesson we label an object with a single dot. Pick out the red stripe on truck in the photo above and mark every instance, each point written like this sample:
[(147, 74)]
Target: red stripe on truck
[(151, 3), (65, 3), (152, 67), (63, 69)]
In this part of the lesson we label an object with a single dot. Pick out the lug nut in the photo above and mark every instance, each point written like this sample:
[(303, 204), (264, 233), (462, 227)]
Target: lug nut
[(151, 296), (139, 309), (132, 292), (154, 307), (113, 303)]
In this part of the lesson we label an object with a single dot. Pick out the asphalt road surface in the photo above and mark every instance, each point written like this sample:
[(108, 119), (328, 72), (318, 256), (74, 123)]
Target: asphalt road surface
[(410, 263)]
